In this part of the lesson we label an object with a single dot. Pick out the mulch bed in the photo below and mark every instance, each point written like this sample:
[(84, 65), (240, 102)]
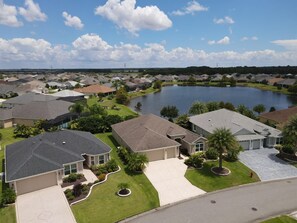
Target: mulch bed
[(82, 196), (287, 157), (66, 184), (222, 172)]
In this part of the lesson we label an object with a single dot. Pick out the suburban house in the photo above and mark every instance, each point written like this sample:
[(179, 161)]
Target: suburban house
[(156, 137), (250, 133), (286, 83), (31, 107), (69, 95), (95, 90), (44, 160), (279, 118)]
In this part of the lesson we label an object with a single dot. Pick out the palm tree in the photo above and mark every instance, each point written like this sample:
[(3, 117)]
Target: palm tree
[(198, 108), (290, 132), (223, 141), (137, 162), (77, 108)]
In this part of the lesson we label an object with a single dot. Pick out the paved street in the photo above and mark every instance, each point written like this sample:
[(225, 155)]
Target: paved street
[(250, 203), (267, 165)]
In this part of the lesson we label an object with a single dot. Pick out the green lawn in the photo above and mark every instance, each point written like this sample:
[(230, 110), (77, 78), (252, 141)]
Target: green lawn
[(281, 219), (142, 93), (264, 87), (7, 214), (123, 110), (105, 206), (206, 180)]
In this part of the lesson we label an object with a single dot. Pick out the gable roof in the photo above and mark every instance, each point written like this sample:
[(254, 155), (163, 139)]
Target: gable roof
[(231, 120), (280, 116), (49, 151), (67, 93), (151, 132), (95, 89)]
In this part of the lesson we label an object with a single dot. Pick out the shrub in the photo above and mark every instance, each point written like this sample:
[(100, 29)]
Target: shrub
[(288, 149), (278, 147), (122, 186), (77, 189), (101, 177), (80, 176), (194, 161), (112, 165), (8, 196), (211, 154), (123, 154), (67, 191), (72, 177), (70, 198), (232, 155)]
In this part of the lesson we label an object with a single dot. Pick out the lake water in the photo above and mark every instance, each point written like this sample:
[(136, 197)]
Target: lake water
[(183, 97)]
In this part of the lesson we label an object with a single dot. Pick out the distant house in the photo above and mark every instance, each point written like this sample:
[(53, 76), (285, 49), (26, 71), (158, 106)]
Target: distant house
[(273, 81), (68, 95), (279, 118), (58, 85), (6, 120), (43, 160), (156, 137), (95, 90), (249, 133), (183, 78), (286, 83)]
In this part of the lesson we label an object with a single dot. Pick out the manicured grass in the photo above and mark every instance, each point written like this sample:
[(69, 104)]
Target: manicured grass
[(123, 110), (264, 87), (7, 214), (105, 206), (208, 181), (281, 219), (142, 93)]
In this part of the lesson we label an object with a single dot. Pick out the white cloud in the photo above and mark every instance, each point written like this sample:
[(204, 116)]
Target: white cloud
[(90, 50), (191, 8), (8, 15), (72, 21), (225, 20), (290, 44), (125, 14), (32, 12), (223, 41), (246, 38)]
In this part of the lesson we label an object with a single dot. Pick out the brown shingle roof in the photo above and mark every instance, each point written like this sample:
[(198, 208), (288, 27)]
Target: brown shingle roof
[(94, 89), (280, 116), (151, 132)]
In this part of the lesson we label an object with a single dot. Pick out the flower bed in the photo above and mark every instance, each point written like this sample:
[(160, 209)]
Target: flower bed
[(73, 179)]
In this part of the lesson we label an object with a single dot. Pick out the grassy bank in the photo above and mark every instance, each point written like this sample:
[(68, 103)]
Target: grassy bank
[(281, 219)]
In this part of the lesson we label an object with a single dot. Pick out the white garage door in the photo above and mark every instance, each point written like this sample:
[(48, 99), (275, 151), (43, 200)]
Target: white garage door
[(256, 144), (245, 144), (155, 155), (36, 183), (171, 153)]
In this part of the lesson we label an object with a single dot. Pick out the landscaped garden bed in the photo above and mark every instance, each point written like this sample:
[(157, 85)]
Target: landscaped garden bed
[(79, 192), (73, 179)]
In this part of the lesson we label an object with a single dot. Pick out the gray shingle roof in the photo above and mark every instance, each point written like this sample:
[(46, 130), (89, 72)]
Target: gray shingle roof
[(150, 132), (231, 120), (29, 97), (49, 151), (5, 114)]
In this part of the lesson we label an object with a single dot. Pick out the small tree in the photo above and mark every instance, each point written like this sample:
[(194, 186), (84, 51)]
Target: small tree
[(259, 108), (77, 108), (157, 85), (183, 121), (122, 96), (138, 106), (212, 106), (198, 108), (136, 162), (272, 109), (96, 109), (170, 112), (290, 133)]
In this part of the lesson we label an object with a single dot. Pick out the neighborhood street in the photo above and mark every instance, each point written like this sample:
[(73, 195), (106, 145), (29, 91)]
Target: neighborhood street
[(251, 203)]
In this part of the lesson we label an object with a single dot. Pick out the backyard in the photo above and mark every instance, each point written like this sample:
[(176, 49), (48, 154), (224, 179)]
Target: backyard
[(208, 181), (105, 206)]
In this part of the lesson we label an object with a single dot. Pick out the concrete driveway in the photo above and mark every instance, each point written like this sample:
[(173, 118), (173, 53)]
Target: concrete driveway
[(47, 205), (167, 176), (267, 165)]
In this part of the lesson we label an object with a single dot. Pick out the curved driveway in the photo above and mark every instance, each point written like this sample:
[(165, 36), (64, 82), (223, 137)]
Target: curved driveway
[(250, 203)]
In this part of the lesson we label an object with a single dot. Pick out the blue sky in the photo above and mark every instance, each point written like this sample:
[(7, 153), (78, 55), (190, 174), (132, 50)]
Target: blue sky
[(147, 33)]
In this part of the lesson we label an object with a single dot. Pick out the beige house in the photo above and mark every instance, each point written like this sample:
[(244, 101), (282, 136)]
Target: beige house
[(156, 137), (44, 160)]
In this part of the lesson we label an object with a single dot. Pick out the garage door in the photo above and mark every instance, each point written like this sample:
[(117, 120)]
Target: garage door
[(155, 155), (36, 183), (256, 144), (171, 153), (245, 144)]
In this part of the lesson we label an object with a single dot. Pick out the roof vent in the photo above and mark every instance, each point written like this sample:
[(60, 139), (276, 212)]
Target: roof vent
[(209, 120), (64, 142)]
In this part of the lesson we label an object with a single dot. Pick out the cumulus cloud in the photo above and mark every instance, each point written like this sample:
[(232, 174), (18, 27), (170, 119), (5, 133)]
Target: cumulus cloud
[(8, 15), (90, 50), (32, 12), (223, 41), (72, 21), (246, 38), (125, 14), (191, 8), (290, 44), (225, 20)]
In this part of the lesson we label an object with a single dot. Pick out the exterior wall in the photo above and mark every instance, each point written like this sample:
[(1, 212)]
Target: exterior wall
[(171, 153), (161, 154), (96, 159), (80, 167), (119, 140), (26, 122), (270, 141), (36, 183), (6, 123), (243, 132)]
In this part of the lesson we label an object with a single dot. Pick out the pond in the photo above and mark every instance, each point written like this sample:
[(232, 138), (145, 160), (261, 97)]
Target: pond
[(183, 97)]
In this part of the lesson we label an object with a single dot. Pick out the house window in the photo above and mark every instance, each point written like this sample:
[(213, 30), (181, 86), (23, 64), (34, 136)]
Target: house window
[(199, 146), (92, 160), (101, 159), (68, 169)]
